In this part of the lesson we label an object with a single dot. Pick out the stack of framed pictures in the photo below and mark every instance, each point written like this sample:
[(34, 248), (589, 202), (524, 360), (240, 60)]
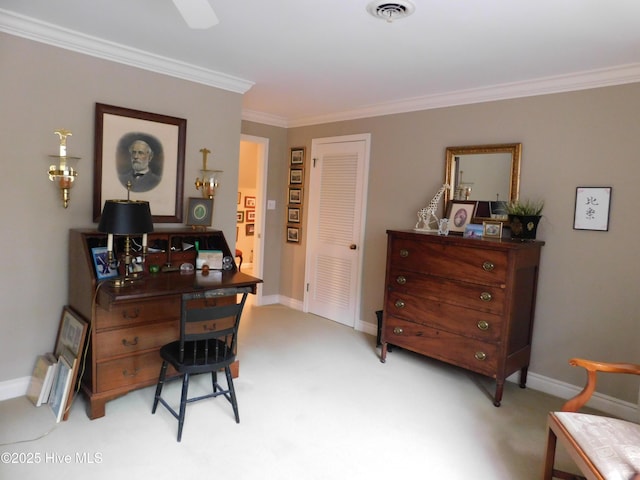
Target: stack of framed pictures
[(295, 195)]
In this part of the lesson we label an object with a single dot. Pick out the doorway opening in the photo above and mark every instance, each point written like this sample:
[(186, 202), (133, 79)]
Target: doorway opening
[(252, 203)]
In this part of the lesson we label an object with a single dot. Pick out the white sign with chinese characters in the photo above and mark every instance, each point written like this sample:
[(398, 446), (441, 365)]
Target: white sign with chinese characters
[(592, 208)]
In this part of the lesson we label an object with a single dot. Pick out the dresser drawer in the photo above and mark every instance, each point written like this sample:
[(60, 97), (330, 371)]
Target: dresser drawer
[(451, 261), (486, 298), (458, 350), (128, 371), (120, 314), (472, 323), (125, 341)]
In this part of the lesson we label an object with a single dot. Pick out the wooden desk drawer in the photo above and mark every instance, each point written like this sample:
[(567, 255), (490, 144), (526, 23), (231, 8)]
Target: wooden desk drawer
[(127, 371), (481, 325), (132, 340), (120, 314), (486, 298), (470, 264), (458, 350)]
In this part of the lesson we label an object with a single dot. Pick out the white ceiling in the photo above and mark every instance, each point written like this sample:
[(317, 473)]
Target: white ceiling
[(306, 61)]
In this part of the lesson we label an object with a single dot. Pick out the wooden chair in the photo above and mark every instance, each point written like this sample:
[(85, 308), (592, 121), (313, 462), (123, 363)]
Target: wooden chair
[(603, 448), (208, 342)]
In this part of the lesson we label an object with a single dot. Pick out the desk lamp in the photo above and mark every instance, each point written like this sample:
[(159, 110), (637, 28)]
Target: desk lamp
[(125, 217)]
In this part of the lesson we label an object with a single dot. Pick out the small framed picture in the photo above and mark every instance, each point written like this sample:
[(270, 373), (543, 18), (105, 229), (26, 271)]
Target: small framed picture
[(297, 156), (593, 205), (293, 234), (295, 195), (249, 202), (72, 332), (293, 214), (472, 230), (69, 348), (249, 229), (460, 213), (240, 216), (492, 229), (296, 176), (62, 386), (251, 215), (200, 211), (104, 269)]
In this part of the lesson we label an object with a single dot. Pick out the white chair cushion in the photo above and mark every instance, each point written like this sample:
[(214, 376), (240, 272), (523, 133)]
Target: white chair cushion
[(613, 445)]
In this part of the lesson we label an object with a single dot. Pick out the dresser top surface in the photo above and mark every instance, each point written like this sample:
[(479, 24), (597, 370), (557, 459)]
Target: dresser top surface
[(459, 240)]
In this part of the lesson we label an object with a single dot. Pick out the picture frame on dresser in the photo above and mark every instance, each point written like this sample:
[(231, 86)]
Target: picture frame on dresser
[(200, 212), (460, 213), (103, 268), (119, 132)]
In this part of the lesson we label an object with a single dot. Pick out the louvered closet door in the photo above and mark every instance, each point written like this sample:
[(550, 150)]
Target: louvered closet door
[(336, 202)]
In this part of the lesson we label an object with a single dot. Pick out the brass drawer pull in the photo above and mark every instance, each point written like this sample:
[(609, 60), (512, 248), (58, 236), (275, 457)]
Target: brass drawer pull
[(488, 266), (480, 356), (398, 331), (401, 279), (125, 373), (483, 325), (134, 314), (127, 343), (399, 304), (486, 297), (404, 253)]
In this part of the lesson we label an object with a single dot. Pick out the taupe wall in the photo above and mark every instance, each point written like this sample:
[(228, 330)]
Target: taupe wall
[(44, 88), (587, 299)]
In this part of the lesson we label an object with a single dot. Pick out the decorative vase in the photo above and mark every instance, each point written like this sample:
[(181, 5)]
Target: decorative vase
[(524, 226)]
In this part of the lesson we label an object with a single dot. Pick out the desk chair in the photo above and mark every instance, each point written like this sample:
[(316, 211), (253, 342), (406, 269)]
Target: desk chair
[(208, 342), (603, 448)]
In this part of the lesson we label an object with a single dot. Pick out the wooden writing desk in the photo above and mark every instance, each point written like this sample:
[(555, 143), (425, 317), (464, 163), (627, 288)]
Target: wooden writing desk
[(129, 324)]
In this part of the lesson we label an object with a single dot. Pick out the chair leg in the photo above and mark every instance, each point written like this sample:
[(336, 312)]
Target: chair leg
[(232, 393), (183, 404), (550, 456), (161, 377), (214, 381)]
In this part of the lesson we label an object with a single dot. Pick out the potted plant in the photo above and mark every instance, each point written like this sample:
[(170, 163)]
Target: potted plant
[(524, 216)]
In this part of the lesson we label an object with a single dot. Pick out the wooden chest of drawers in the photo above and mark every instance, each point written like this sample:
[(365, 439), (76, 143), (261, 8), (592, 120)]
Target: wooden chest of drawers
[(468, 302)]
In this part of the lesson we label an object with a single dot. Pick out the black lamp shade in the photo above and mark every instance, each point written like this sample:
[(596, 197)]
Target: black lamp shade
[(126, 217)]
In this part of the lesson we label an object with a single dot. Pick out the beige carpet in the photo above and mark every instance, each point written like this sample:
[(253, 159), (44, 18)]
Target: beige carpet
[(315, 403)]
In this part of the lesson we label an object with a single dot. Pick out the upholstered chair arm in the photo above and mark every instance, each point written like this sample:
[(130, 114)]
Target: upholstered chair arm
[(592, 367)]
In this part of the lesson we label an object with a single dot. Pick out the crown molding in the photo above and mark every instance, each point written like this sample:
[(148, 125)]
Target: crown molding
[(585, 80), (264, 118), (43, 32)]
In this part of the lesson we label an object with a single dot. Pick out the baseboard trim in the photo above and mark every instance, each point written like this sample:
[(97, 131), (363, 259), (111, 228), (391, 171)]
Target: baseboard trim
[(16, 387)]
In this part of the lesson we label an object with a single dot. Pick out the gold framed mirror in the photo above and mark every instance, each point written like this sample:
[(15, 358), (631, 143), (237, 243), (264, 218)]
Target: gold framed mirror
[(484, 173)]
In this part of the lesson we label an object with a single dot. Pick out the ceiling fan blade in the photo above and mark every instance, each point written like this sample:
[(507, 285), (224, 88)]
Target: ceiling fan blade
[(197, 13)]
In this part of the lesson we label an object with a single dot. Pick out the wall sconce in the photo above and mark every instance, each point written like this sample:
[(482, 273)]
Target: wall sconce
[(125, 217), (64, 172), (210, 178)]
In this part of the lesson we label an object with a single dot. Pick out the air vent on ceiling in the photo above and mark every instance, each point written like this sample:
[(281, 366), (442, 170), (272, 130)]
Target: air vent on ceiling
[(390, 11)]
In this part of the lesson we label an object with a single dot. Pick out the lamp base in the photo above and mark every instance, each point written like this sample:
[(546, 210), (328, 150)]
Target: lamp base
[(126, 280)]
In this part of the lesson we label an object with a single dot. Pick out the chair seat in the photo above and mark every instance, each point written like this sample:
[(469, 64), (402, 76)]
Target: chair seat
[(218, 356), (612, 445)]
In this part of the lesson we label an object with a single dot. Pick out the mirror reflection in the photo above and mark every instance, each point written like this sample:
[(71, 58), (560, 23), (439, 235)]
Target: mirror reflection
[(484, 173)]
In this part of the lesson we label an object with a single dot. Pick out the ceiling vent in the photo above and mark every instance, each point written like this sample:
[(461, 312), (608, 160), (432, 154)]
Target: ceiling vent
[(390, 11)]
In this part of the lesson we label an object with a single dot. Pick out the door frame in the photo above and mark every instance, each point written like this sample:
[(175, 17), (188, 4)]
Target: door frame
[(366, 137), (261, 202)]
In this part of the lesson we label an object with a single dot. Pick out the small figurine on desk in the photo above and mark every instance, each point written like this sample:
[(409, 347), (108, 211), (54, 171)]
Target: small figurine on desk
[(427, 218)]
